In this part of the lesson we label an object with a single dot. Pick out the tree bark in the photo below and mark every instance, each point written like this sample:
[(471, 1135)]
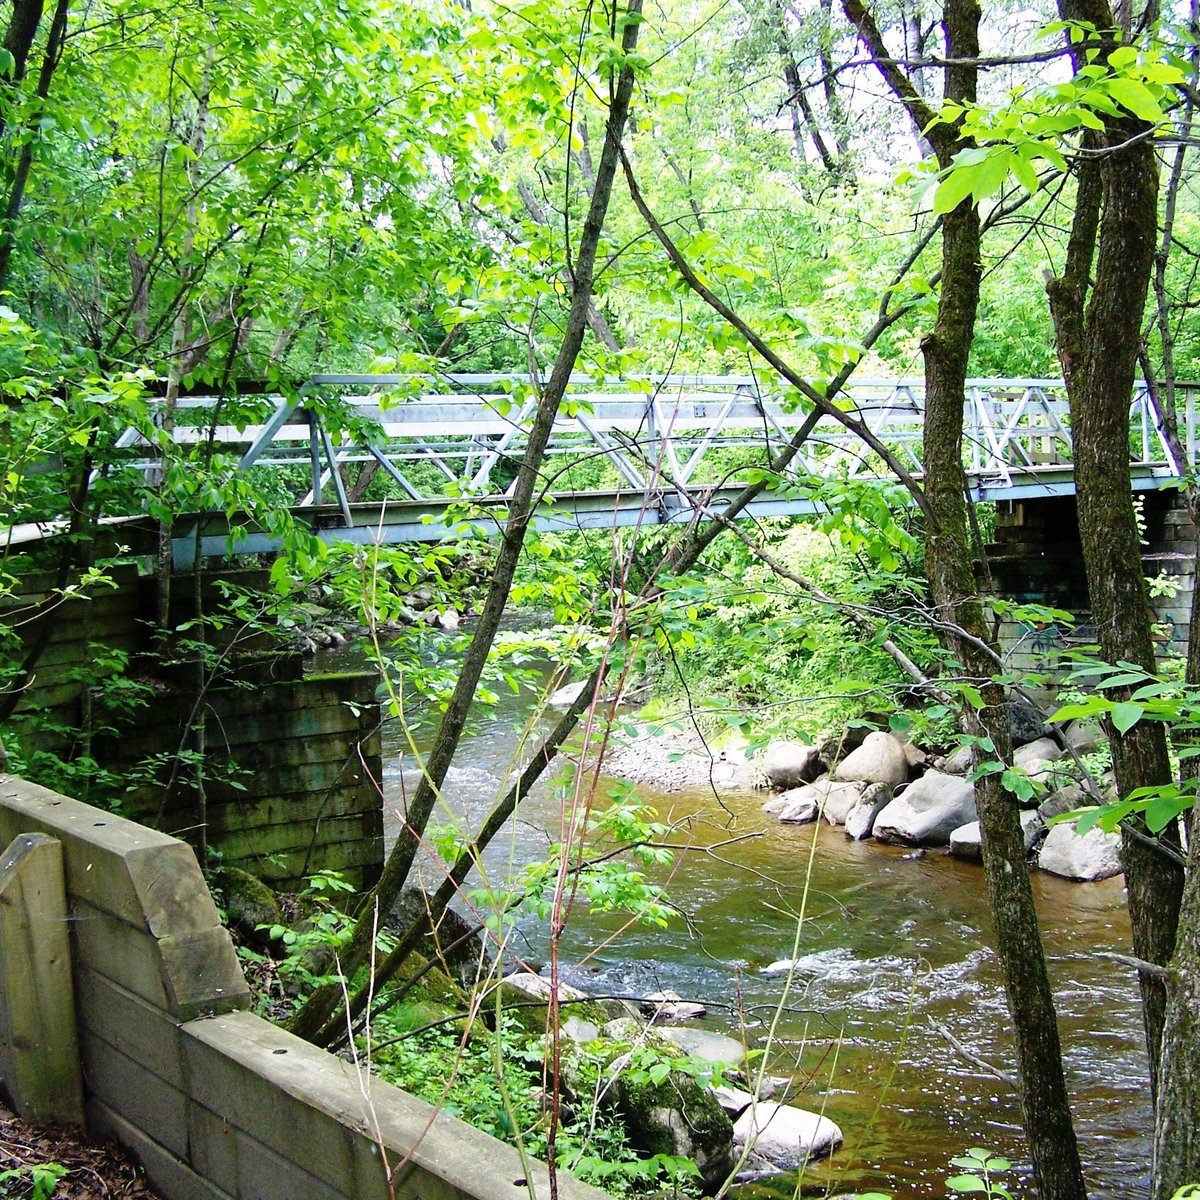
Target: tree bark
[(55, 42), (1099, 343), (315, 1014), (1045, 1104), (1176, 1130)]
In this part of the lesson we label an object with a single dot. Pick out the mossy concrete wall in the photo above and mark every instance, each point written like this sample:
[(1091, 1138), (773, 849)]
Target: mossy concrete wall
[(215, 1102), (291, 769), (1036, 558), (291, 763)]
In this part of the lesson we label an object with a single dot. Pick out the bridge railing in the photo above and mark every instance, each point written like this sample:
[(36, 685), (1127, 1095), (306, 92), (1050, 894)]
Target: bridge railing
[(462, 434)]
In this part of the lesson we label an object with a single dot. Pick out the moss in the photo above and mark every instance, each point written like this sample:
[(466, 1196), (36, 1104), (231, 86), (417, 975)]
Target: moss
[(435, 988), (677, 1116), (248, 903), (532, 1016)]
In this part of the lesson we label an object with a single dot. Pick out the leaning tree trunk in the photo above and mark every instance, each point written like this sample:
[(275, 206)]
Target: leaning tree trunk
[(314, 1017)]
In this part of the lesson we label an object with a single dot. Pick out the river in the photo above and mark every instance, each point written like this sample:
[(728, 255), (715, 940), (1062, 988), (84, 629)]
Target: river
[(893, 950)]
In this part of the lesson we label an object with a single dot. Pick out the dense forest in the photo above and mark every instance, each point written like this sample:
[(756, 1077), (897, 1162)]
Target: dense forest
[(208, 200)]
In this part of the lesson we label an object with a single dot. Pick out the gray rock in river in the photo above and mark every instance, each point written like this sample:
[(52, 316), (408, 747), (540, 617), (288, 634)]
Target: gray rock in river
[(965, 841), (782, 1137), (797, 807), (1086, 857), (1084, 736), (791, 764), (928, 811), (960, 762), (703, 1043), (1043, 750), (670, 1006), (1066, 799), (825, 797), (860, 820), (880, 759), (839, 800)]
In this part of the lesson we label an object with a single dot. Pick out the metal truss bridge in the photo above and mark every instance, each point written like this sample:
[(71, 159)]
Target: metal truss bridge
[(634, 453)]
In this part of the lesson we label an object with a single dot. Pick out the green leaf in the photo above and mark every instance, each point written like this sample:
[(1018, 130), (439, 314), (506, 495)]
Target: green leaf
[(1137, 98), (966, 1183), (953, 190), (1025, 173), (1125, 716), (1088, 708)]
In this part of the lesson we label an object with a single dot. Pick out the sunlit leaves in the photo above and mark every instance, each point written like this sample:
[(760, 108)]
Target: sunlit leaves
[(1029, 136)]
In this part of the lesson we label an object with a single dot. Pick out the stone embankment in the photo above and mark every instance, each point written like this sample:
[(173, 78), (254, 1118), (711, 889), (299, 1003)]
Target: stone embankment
[(897, 793)]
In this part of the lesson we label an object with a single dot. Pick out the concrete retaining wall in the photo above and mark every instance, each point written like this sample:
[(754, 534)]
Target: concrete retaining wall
[(215, 1102), (1037, 558), (291, 763)]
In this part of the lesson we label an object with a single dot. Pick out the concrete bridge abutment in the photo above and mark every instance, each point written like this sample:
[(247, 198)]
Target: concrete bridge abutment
[(1036, 559)]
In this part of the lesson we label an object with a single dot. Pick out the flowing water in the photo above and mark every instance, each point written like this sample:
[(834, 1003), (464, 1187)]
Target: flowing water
[(894, 958)]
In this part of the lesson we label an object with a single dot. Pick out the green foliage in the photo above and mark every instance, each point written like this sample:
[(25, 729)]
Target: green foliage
[(1141, 697), (309, 948), (749, 638), (980, 1166), (493, 1081), (1026, 136), (36, 1182)]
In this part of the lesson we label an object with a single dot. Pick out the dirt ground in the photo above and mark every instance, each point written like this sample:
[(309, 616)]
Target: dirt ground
[(93, 1171)]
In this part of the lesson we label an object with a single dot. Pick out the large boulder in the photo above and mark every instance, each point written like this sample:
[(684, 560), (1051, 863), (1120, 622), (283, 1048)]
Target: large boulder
[(1042, 750), (1025, 721), (1088, 857), (791, 764), (839, 799), (455, 943), (251, 908), (783, 1138), (880, 759), (525, 996), (825, 797), (860, 820), (705, 1043), (676, 1116), (1066, 799), (959, 762), (1084, 736), (836, 746), (928, 811), (966, 841)]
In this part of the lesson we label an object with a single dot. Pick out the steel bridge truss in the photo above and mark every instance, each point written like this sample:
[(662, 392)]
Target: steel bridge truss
[(660, 436)]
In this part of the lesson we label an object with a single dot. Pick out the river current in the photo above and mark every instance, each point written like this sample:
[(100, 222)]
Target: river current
[(896, 1004)]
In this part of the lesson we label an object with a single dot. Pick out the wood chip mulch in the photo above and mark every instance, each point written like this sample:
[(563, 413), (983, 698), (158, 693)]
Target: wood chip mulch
[(95, 1171)]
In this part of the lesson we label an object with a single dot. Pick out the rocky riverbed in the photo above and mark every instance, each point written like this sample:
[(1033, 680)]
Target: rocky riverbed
[(877, 784)]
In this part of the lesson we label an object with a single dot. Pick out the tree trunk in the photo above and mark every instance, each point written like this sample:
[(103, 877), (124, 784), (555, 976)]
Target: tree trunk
[(1045, 1104), (315, 1014), (1176, 1129), (55, 42), (1098, 345)]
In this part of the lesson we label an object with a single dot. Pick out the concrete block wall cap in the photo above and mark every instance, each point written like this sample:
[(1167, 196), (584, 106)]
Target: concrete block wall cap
[(243, 1061), (144, 877)]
